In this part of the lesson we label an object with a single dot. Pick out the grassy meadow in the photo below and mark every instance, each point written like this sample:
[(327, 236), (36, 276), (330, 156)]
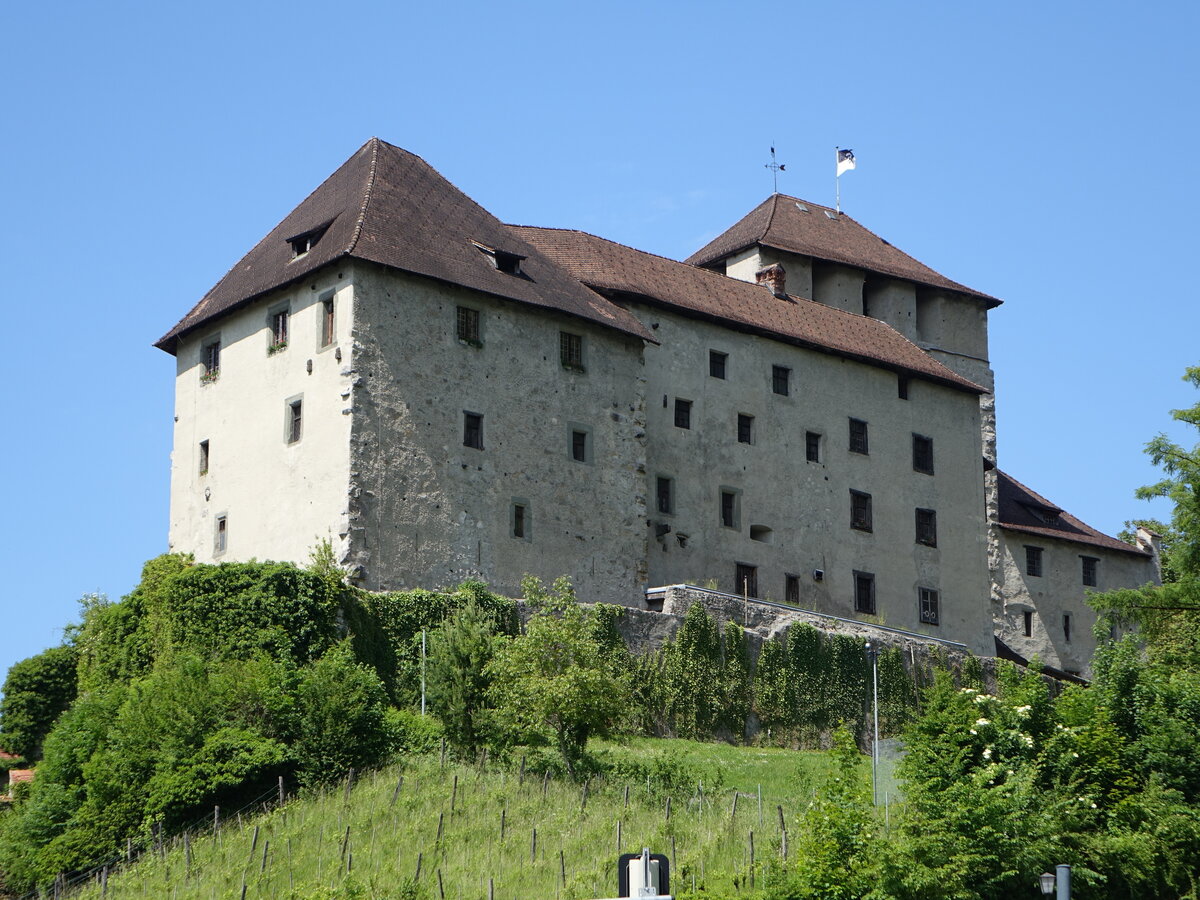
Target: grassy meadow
[(424, 828)]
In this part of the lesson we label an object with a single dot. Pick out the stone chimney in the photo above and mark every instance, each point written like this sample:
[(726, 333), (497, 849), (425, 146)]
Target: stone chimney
[(1151, 542), (775, 278)]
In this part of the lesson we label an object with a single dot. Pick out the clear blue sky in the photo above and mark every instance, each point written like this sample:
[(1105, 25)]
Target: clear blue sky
[(1045, 153)]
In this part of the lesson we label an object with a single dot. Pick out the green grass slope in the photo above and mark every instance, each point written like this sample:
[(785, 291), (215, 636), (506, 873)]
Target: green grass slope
[(421, 829)]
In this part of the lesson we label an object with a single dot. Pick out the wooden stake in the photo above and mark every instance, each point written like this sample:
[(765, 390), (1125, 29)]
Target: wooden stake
[(266, 846), (627, 796), (281, 790), (545, 783), (751, 859), (441, 890), (760, 806), (443, 754), (441, 819), (420, 857), (533, 847), (562, 869), (618, 837), (396, 792), (491, 889), (522, 777), (345, 842), (583, 796), (254, 842), (503, 818), (733, 812), (454, 795), (668, 813)]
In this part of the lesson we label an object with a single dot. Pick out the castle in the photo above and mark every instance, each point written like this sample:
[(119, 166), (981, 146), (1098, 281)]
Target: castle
[(800, 411)]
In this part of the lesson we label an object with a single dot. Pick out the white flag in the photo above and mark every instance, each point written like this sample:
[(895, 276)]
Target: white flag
[(845, 161)]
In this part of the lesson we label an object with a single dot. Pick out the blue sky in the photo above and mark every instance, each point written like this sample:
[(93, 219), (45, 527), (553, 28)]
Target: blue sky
[(1043, 153)]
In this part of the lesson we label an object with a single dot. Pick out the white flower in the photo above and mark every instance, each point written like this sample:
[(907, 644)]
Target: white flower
[(987, 752), (980, 722), (1093, 806), (982, 698), (967, 691), (1074, 756), (1028, 739), (973, 731), (1023, 710)]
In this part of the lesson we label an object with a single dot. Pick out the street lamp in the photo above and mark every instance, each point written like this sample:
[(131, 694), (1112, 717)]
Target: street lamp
[(1060, 879), (872, 651)]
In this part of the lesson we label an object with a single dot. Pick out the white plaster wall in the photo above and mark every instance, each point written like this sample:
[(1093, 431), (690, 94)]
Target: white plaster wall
[(837, 285), (280, 499), (428, 511), (1059, 590), (807, 505), (893, 301), (744, 266)]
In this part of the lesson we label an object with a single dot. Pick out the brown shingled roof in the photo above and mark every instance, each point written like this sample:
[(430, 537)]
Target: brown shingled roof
[(1024, 510), (781, 223), (608, 266), (391, 207)]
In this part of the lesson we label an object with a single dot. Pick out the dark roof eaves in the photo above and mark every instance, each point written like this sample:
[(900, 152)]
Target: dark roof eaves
[(1102, 542)]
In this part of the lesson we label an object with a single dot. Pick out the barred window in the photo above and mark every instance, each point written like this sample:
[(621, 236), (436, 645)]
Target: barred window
[(860, 511), (468, 325), (812, 446), (683, 413), (745, 429), (858, 436), (716, 363), (864, 593), (927, 527), (473, 430), (930, 602), (570, 350), (1033, 561), (781, 378), (922, 454), (1091, 566)]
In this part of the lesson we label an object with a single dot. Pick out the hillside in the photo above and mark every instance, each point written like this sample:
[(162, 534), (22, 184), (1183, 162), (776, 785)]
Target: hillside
[(530, 837)]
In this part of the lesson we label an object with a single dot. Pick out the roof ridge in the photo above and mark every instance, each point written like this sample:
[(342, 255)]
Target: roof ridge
[(362, 212), (774, 198)]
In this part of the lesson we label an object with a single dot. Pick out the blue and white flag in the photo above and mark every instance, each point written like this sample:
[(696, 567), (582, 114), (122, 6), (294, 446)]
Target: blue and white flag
[(845, 161)]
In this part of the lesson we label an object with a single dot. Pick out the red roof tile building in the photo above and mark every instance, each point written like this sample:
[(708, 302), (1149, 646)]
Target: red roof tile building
[(800, 411)]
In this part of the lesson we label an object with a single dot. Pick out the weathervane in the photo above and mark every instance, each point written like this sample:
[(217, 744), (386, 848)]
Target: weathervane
[(775, 168)]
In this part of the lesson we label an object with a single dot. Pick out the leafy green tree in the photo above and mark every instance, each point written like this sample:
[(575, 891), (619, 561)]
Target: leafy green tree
[(458, 676), (36, 692), (1181, 486), (556, 681)]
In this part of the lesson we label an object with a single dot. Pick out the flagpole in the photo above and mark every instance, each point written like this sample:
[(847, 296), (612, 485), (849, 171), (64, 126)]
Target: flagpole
[(837, 181)]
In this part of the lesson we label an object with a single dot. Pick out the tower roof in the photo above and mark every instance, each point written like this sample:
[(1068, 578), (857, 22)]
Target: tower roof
[(797, 226), (609, 266), (389, 206)]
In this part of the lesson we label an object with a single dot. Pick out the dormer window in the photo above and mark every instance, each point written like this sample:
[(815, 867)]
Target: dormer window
[(503, 260), (306, 240), (1046, 514)]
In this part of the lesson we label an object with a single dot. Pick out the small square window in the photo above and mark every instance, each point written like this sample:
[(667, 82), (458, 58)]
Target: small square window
[(327, 331), (858, 436), (812, 446), (210, 361), (295, 420), (472, 430), (683, 413), (1028, 617), (729, 510), (663, 495), (930, 602), (860, 511), (902, 393), (279, 330), (864, 593), (922, 454), (745, 429), (747, 580), (927, 527), (221, 535), (1033, 561), (204, 457), (716, 363), (467, 325), (520, 520), (791, 588), (781, 380), (1091, 567), (579, 445), (570, 350)]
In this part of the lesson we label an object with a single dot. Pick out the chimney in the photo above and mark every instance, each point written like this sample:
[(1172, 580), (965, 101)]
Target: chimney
[(775, 278)]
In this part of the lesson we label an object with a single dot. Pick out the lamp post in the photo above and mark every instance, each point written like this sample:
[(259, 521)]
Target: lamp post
[(1060, 879), (872, 651)]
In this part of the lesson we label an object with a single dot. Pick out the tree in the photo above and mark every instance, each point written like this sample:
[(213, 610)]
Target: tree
[(458, 676), (1181, 486), (556, 680), (36, 692)]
